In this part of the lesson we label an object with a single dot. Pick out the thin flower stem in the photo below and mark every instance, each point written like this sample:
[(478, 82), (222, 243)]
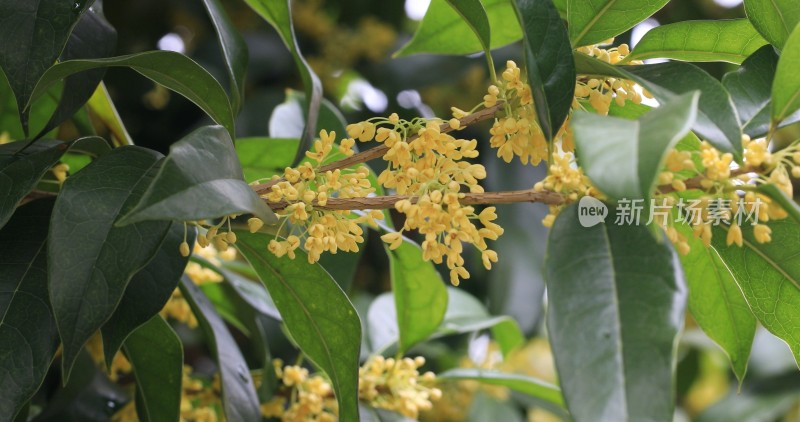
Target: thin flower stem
[(380, 150)]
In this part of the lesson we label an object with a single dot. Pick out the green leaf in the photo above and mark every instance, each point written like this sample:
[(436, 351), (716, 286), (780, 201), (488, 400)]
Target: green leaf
[(20, 172), (523, 384), (90, 260), (769, 276), (148, 291), (103, 108), (485, 407), (315, 311), (287, 119), (200, 179), (156, 355), (92, 38), (473, 13), (750, 87), (262, 158), (279, 15), (33, 33), (774, 19), (716, 302), (170, 69), (786, 87), (549, 63), (716, 116), (234, 50), (591, 22), (444, 31), (239, 398), (38, 115), (765, 400), (27, 329), (420, 296), (624, 157), (729, 41), (616, 301)]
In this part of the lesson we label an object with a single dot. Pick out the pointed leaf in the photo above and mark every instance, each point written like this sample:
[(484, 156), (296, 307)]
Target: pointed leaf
[(102, 107), (279, 15), (617, 299), (90, 260), (148, 291), (419, 294), (775, 19), (549, 62), (316, 313), (520, 383), (716, 302), (33, 33), (234, 50), (238, 391), (200, 179), (27, 328), (168, 68), (786, 87), (624, 157), (20, 172), (473, 13), (92, 38), (156, 356), (444, 31), (769, 276), (716, 117), (700, 41), (591, 22)]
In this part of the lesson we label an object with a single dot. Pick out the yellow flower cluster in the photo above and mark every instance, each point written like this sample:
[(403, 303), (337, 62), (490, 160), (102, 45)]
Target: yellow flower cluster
[(431, 166), (517, 133), (301, 397), (300, 198), (397, 385), (601, 91), (722, 195), (176, 307), (566, 178)]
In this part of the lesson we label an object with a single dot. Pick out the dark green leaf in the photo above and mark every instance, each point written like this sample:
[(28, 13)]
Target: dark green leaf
[(716, 117), (473, 13), (315, 311), (591, 22), (521, 383), (234, 50), (33, 33), (279, 15), (750, 87), (616, 302), (786, 87), (419, 294), (156, 355), (230, 306), (342, 267), (443, 31), (700, 41), (27, 329), (90, 260), (92, 38), (716, 302), (550, 66), (238, 391), (148, 291), (774, 19), (624, 157), (769, 276), (19, 173), (172, 70), (200, 179)]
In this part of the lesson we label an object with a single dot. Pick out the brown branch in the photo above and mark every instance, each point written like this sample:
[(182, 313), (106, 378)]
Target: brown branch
[(384, 202), (380, 150), (694, 182)]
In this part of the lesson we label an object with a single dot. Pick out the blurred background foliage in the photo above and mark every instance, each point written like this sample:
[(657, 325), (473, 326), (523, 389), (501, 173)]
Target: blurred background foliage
[(350, 43)]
